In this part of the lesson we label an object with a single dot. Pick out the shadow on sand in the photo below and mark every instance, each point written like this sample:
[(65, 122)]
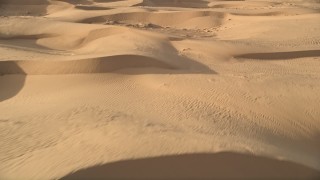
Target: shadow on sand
[(23, 8), (224, 165), (175, 3), (281, 55), (10, 85)]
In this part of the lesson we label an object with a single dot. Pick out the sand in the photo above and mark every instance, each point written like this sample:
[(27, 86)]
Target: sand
[(159, 89)]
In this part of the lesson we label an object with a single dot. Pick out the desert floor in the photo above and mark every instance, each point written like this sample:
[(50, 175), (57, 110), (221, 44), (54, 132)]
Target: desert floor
[(159, 89)]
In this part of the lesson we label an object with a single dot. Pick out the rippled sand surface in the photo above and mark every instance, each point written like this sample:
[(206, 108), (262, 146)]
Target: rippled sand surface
[(159, 89)]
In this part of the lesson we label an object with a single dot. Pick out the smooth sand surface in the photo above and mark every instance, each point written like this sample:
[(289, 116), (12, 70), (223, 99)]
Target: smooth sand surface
[(167, 88)]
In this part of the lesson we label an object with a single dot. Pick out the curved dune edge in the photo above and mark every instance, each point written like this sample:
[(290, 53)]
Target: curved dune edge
[(220, 165), (98, 65)]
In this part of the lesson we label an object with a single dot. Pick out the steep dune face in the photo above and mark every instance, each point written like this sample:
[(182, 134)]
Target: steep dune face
[(131, 84)]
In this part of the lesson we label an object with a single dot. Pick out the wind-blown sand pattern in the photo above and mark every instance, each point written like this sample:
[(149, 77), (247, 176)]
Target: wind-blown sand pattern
[(159, 89)]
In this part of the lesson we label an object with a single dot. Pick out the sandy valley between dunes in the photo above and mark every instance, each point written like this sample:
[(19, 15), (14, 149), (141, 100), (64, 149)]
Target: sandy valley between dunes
[(159, 89)]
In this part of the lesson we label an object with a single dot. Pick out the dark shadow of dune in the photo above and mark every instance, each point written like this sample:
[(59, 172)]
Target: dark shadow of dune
[(225, 165), (33, 36), (107, 1), (75, 2), (281, 55), (23, 8), (24, 44), (10, 85), (91, 8), (26, 2), (174, 3), (143, 64)]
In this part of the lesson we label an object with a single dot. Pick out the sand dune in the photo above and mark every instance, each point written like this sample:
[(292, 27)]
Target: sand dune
[(163, 88), (205, 166), (80, 66), (176, 19)]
